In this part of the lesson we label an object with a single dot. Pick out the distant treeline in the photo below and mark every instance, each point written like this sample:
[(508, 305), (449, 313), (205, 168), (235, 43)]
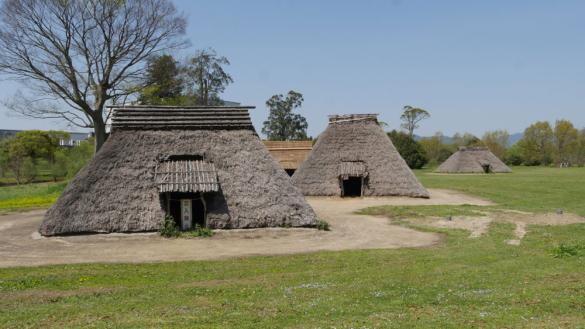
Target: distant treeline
[(542, 144), (36, 155)]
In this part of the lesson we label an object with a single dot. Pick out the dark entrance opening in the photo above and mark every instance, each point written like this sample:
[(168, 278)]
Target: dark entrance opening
[(290, 172), (486, 168), (198, 208), (352, 187)]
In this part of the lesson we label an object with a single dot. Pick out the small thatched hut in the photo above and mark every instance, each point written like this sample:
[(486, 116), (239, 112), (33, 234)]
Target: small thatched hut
[(473, 160), (204, 166), (289, 154), (355, 157)]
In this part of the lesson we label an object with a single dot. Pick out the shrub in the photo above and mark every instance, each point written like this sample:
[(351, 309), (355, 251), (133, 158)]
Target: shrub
[(169, 227), (567, 250), (411, 151), (199, 232), (323, 225)]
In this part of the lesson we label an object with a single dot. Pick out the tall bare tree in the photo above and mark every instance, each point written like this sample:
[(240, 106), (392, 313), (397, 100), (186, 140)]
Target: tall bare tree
[(78, 56)]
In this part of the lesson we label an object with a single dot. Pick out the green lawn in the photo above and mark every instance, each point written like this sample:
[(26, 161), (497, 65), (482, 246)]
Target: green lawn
[(25, 197), (461, 283), (527, 188)]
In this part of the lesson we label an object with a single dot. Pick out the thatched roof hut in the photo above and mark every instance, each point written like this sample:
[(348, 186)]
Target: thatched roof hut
[(470, 160), (355, 157), (205, 166), (289, 154)]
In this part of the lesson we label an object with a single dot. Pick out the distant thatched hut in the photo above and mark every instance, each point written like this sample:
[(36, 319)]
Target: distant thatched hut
[(289, 154), (354, 157), (473, 160), (204, 166)]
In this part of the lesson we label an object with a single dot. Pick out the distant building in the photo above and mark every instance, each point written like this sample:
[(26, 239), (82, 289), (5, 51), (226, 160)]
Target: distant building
[(289, 154), (74, 138)]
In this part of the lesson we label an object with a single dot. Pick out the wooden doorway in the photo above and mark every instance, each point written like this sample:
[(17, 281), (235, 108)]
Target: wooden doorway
[(187, 207), (352, 186)]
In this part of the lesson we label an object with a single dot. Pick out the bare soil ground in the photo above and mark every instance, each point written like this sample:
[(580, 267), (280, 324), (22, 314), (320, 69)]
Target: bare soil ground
[(21, 245), (477, 226)]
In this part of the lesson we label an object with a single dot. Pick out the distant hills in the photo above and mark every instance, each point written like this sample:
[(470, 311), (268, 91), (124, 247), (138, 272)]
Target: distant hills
[(514, 138)]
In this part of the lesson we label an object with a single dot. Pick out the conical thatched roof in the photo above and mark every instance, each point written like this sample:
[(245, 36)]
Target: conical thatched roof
[(469, 160), (356, 145), (120, 190)]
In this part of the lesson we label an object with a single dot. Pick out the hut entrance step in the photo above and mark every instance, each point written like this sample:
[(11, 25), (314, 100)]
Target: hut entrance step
[(352, 186), (188, 210)]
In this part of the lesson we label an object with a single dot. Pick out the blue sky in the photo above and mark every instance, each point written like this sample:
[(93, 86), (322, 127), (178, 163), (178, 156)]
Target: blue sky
[(474, 65)]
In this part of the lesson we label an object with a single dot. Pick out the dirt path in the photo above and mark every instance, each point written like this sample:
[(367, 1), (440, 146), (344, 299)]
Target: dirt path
[(21, 245)]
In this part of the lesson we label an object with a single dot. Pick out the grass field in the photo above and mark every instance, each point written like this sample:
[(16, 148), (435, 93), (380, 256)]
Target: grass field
[(462, 283), (25, 197), (533, 189)]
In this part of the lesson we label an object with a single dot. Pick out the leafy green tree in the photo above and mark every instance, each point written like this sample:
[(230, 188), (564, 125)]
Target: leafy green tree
[(411, 117), (79, 156), (282, 123), (581, 149), (537, 144), (466, 139), (566, 142), (20, 163), (27, 148), (4, 156), (514, 156), (59, 166), (497, 141), (164, 85), (36, 144), (206, 77), (437, 151), (410, 150)]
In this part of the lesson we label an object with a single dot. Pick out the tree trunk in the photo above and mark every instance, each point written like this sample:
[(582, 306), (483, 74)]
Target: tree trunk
[(99, 130)]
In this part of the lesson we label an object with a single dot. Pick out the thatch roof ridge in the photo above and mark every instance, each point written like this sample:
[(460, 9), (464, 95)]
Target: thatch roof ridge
[(355, 141), (122, 107), (159, 118), (342, 118), (473, 148)]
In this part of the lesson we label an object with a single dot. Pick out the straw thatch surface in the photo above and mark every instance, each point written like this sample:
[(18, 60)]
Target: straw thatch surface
[(289, 154), (196, 117), (117, 190), (186, 176), (470, 160), (352, 169), (348, 140)]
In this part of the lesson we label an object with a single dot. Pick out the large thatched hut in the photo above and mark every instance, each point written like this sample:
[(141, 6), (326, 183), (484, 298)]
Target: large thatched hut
[(355, 157), (204, 166), (473, 160), (289, 154)]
